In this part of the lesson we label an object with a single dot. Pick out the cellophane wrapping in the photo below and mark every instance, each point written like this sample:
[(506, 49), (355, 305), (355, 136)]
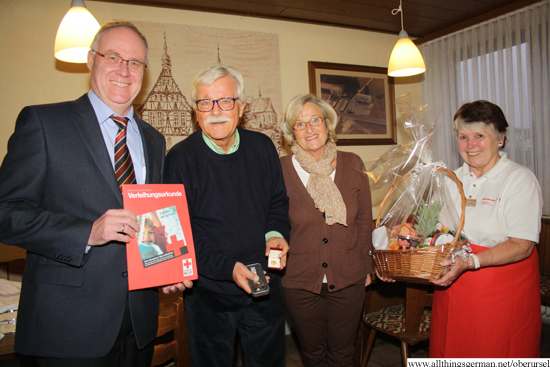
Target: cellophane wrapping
[(424, 214), (394, 164)]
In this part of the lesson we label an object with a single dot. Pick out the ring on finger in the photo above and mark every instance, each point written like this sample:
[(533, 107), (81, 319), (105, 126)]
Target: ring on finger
[(123, 228)]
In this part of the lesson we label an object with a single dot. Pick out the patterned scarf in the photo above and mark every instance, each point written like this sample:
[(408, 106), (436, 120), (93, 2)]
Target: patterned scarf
[(321, 188)]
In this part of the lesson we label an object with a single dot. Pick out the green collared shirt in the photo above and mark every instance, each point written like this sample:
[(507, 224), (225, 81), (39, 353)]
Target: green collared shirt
[(217, 149), (232, 149)]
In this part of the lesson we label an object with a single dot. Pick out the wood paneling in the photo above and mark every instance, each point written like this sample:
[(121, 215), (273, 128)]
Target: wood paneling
[(423, 19)]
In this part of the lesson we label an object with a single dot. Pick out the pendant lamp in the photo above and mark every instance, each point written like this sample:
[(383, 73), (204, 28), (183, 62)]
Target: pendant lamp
[(405, 59), (75, 34)]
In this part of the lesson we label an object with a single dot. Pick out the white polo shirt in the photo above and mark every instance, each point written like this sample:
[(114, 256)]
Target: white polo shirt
[(508, 203)]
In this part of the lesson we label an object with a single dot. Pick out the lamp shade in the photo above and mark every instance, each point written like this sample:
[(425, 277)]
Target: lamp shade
[(405, 59), (75, 34)]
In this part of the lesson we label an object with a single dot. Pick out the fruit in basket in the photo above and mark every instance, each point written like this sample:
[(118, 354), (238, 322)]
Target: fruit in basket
[(393, 244), (407, 242), (426, 242), (427, 217), (404, 230), (404, 237)]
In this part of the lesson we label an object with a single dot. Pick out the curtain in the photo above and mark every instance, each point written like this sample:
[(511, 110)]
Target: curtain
[(504, 61)]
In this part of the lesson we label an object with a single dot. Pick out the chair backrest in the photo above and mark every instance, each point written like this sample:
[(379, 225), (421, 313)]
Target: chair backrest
[(177, 348), (419, 296), (12, 270), (543, 247)]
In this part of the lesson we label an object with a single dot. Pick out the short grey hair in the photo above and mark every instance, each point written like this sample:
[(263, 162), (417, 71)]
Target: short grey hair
[(293, 110), (210, 74), (110, 25)]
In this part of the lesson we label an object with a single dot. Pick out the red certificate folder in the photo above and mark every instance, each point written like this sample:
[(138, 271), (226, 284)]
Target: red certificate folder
[(162, 253)]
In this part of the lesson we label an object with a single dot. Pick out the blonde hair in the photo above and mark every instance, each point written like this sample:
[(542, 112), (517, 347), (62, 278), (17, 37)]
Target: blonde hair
[(293, 110)]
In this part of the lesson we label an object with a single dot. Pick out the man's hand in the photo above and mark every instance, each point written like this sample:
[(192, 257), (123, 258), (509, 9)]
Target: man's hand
[(241, 274), (115, 225), (177, 287), (281, 243)]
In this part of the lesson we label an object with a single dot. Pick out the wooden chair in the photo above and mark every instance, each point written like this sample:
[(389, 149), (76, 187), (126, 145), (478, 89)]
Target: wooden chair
[(545, 289), (543, 248), (177, 347), (12, 262), (408, 322), (12, 270), (171, 319)]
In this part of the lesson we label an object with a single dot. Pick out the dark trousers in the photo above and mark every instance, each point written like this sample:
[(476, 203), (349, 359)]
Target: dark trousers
[(125, 352), (213, 319), (326, 323)]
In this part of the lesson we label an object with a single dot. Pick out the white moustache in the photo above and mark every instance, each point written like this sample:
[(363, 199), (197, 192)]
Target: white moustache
[(215, 119)]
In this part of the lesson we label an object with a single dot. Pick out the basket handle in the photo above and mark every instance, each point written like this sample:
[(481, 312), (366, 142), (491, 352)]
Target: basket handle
[(460, 189)]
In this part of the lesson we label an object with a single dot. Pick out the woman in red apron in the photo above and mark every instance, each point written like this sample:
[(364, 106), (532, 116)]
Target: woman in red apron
[(488, 304)]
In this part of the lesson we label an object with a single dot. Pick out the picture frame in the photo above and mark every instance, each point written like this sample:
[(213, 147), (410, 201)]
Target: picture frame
[(363, 98)]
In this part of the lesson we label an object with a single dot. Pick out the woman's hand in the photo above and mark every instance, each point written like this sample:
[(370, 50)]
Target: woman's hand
[(368, 281), (507, 252), (384, 279), (459, 267)]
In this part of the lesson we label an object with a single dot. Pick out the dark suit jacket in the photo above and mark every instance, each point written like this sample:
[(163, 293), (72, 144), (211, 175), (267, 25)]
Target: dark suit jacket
[(56, 180)]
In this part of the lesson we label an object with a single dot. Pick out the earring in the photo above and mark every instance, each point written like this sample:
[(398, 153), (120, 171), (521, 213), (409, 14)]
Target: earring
[(500, 145)]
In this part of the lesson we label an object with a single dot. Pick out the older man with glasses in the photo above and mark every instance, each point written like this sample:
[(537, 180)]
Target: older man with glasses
[(239, 210)]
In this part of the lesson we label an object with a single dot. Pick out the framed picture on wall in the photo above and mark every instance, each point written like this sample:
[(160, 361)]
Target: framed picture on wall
[(362, 96)]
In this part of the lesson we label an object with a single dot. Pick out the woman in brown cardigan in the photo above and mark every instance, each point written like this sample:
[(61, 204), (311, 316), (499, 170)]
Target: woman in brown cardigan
[(330, 213)]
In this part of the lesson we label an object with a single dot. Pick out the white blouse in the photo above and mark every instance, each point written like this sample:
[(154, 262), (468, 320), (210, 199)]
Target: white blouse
[(508, 203)]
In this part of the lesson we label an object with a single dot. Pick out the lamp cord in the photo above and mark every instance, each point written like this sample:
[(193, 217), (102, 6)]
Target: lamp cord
[(397, 11)]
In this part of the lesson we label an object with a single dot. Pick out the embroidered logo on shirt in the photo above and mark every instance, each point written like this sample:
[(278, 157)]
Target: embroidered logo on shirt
[(488, 201)]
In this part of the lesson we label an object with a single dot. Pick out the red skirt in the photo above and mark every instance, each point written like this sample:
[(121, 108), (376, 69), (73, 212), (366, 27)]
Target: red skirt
[(492, 312)]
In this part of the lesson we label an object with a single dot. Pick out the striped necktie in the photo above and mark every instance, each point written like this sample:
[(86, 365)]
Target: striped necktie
[(124, 169)]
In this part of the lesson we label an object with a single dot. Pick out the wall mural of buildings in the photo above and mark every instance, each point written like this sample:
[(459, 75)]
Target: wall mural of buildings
[(178, 52)]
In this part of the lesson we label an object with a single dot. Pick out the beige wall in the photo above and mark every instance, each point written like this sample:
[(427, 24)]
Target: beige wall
[(31, 75)]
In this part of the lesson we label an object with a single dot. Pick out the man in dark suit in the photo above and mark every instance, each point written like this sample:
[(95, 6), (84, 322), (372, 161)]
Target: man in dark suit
[(60, 200)]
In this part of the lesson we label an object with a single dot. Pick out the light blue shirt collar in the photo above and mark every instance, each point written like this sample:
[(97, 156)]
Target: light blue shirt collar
[(109, 130), (104, 112)]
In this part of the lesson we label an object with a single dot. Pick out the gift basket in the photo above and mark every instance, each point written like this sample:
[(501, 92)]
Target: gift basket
[(423, 226), (418, 242)]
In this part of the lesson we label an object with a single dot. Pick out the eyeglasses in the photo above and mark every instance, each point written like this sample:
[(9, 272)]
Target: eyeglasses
[(207, 105), (301, 125), (112, 59)]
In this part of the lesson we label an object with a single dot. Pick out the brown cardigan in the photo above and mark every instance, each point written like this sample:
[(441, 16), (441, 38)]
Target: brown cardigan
[(342, 253)]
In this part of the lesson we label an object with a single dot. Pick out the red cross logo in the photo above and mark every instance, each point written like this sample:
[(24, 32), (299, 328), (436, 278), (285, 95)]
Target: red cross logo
[(175, 246)]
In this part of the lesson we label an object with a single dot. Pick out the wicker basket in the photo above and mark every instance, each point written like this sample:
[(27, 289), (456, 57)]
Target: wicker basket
[(418, 265)]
